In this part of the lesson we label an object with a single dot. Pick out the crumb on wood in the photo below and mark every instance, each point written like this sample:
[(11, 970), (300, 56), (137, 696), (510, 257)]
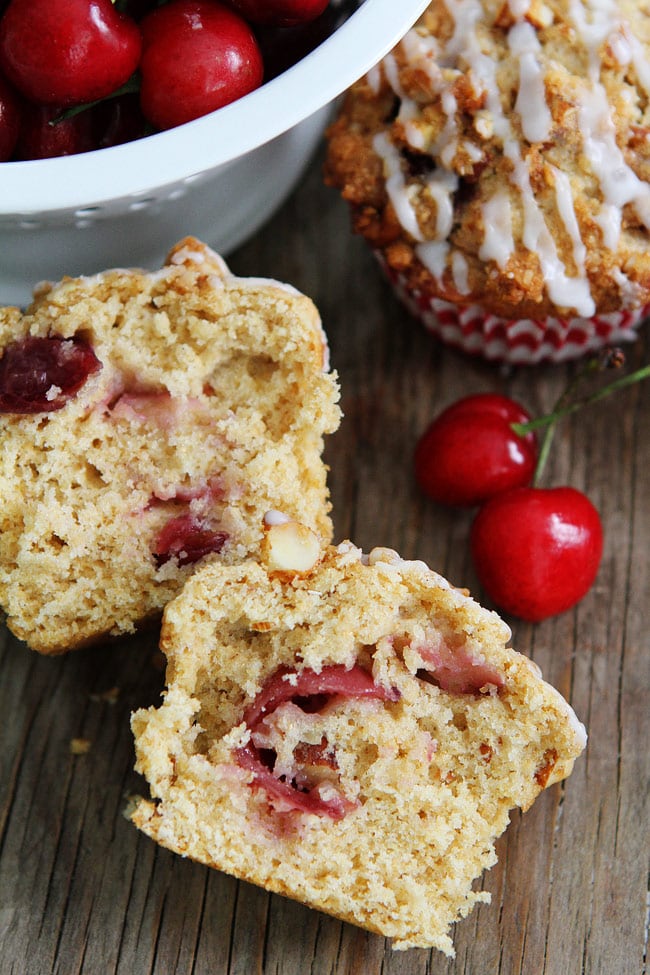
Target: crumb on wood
[(79, 746), (109, 696)]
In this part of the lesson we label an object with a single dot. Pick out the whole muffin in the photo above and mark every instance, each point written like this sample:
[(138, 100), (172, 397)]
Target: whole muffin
[(497, 161), (148, 421)]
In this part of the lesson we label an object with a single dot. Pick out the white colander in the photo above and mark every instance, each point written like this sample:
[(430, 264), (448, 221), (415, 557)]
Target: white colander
[(219, 177)]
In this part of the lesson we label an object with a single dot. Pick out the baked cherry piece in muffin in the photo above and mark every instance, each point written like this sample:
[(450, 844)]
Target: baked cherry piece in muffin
[(148, 420), (347, 730)]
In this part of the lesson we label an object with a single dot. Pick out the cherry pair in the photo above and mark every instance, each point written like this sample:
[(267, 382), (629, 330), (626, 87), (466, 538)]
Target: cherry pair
[(536, 550)]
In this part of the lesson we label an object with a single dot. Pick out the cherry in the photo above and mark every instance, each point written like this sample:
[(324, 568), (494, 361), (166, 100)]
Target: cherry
[(41, 137), (39, 375), (137, 9), (537, 550), (187, 539), (470, 452), (9, 119), (118, 120), (311, 691), (282, 47), (67, 52), (197, 56), (279, 13), (334, 680), (452, 668)]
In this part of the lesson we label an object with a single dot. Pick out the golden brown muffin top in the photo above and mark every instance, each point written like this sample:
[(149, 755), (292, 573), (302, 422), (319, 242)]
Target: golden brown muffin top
[(499, 155)]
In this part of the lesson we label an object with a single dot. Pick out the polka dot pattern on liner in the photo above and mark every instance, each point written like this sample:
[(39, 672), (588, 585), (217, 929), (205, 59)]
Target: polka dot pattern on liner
[(498, 161)]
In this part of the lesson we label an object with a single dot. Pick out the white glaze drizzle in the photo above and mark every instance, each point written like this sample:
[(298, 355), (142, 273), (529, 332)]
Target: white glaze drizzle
[(640, 61), (408, 107), (398, 192), (621, 48), (498, 243), (530, 104), (460, 272), (627, 49), (518, 8), (373, 77), (421, 52), (446, 144), (564, 198), (433, 254), (619, 184), (597, 22), (441, 186), (563, 291), (595, 29)]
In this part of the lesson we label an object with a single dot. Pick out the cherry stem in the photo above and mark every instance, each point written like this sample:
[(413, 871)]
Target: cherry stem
[(130, 87), (566, 405)]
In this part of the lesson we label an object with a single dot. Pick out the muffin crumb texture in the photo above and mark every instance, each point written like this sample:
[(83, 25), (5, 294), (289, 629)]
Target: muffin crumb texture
[(353, 737), (184, 404), (499, 156)]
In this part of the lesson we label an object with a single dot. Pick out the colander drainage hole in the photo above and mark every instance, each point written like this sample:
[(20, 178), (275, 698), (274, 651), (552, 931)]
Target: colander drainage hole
[(142, 204)]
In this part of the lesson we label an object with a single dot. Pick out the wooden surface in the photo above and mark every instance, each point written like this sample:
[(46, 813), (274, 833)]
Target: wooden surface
[(82, 891)]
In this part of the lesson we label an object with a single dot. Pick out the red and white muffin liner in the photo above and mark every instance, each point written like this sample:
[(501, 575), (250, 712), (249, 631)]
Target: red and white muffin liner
[(523, 341)]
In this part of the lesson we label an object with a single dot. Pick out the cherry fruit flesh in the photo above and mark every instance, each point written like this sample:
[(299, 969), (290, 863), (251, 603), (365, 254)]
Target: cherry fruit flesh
[(40, 374), (187, 539), (311, 691)]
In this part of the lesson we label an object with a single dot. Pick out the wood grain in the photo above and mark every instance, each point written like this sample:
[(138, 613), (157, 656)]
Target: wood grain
[(82, 892)]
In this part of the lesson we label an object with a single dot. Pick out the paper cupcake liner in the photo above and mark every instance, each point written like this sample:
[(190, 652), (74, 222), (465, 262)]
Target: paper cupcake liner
[(523, 341)]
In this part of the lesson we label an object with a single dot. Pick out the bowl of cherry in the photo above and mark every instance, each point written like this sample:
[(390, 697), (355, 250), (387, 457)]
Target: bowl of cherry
[(126, 125)]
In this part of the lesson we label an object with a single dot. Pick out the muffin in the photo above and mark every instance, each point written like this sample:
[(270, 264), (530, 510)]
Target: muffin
[(346, 730), (148, 421), (498, 163)]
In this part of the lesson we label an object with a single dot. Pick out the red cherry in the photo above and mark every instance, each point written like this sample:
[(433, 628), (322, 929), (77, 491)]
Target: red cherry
[(470, 451), (118, 120), (137, 9), (9, 119), (42, 138), (67, 52), (39, 375), (282, 47), (537, 550), (279, 13), (197, 56)]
